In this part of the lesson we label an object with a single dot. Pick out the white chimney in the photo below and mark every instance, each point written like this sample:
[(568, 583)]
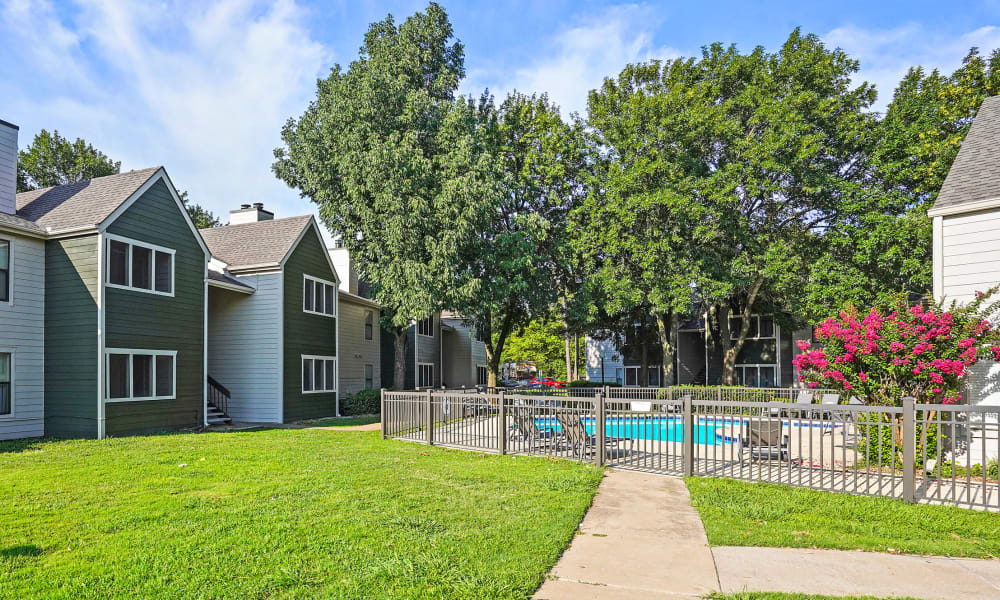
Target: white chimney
[(248, 213), (345, 267), (8, 167)]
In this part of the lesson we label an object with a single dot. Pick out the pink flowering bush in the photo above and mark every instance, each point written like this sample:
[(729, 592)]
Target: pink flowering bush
[(881, 356)]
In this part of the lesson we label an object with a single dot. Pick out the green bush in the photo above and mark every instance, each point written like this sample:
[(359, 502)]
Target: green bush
[(876, 443), (365, 402), (584, 383)]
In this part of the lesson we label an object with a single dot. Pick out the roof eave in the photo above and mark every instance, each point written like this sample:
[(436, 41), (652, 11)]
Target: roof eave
[(964, 207)]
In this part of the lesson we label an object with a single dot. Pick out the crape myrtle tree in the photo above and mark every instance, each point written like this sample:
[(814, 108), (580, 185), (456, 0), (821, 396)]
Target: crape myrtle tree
[(515, 265), (386, 149)]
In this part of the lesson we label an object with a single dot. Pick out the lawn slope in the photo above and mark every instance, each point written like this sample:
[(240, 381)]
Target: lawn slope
[(280, 514)]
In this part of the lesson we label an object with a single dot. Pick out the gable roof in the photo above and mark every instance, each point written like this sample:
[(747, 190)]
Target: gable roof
[(82, 204), (259, 245), (17, 223), (225, 280), (973, 182)]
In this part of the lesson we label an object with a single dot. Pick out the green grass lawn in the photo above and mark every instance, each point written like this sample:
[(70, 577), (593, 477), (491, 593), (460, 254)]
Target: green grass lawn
[(784, 596), (280, 514), (737, 513), (343, 421)]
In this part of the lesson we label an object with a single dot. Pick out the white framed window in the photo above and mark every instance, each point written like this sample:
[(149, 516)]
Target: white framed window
[(369, 325), (139, 375), (482, 375), (6, 384), (425, 327), (369, 377), (319, 374), (319, 296), (761, 328), (757, 362), (139, 266), (761, 376), (4, 271), (425, 374)]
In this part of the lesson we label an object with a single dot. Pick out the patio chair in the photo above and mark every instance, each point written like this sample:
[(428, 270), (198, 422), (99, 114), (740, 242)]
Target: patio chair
[(526, 426), (800, 406), (579, 441), (828, 400), (764, 438)]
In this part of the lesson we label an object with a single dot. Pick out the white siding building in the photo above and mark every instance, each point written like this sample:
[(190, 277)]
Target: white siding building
[(966, 226), (22, 306)]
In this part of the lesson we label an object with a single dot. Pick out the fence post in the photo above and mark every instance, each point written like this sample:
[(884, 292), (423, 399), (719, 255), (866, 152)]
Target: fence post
[(502, 426), (687, 447), (718, 394), (382, 416), (605, 390), (909, 449), (430, 417), (599, 426)]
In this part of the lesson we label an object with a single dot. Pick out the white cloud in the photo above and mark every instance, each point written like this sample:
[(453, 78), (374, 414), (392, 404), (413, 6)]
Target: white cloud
[(577, 59), (201, 89), (886, 54)]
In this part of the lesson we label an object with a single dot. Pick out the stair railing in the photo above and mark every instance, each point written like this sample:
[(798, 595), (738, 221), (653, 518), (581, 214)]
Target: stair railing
[(218, 395)]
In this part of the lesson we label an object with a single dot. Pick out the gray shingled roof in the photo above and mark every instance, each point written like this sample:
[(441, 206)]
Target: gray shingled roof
[(260, 244), (81, 204), (216, 276), (18, 223), (975, 174)]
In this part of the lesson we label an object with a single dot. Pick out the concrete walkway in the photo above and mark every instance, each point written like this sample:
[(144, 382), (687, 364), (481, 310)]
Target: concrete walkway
[(642, 540)]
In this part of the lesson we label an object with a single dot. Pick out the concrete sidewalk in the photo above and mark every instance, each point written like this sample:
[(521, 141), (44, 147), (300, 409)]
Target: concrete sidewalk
[(642, 540)]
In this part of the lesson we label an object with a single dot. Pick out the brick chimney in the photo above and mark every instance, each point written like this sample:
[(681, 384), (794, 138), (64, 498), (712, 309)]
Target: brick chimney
[(8, 167), (250, 213)]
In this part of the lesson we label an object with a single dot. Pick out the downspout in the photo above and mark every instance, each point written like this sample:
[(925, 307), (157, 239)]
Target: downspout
[(100, 337), (336, 349), (204, 355)]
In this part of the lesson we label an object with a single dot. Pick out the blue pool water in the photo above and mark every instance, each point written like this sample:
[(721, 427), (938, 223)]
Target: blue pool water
[(660, 429)]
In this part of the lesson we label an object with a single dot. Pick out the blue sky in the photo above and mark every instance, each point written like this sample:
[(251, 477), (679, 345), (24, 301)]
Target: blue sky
[(204, 87)]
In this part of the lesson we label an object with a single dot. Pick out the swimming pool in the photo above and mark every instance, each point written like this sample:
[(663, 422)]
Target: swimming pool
[(708, 431)]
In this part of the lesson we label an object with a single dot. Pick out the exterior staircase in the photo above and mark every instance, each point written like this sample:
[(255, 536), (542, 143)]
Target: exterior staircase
[(218, 404)]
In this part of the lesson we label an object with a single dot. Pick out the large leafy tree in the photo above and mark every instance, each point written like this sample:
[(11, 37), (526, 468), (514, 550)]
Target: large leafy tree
[(516, 261), (540, 341), (385, 150), (53, 160), (748, 157), (882, 244)]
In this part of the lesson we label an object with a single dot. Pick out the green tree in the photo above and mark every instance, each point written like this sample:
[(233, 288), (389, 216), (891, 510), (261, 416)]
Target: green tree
[(539, 341), (201, 217), (744, 159), (53, 160), (516, 256), (384, 150), (881, 245)]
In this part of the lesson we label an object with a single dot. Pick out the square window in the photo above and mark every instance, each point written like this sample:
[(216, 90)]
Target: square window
[(766, 327), (142, 375), (118, 263), (142, 267), (164, 375), (118, 375), (164, 272)]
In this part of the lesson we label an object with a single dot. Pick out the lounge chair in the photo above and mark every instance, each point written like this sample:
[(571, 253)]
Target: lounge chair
[(577, 438), (526, 426), (764, 438), (828, 400), (800, 406)]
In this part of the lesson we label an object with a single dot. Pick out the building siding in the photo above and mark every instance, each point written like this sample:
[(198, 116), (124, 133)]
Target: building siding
[(970, 262), (139, 320), (428, 350), (462, 354), (22, 329), (355, 350), (244, 347), (306, 333), (71, 337)]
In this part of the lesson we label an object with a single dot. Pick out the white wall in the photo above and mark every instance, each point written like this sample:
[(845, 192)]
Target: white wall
[(244, 347), (345, 269), (967, 260), (612, 360), (22, 328), (8, 168)]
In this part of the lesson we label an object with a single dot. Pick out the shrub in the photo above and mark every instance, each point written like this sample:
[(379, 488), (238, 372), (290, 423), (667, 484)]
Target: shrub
[(584, 383), (365, 402)]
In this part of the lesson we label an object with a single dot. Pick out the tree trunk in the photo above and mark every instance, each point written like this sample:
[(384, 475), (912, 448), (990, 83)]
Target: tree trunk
[(568, 352), (667, 330), (576, 357), (494, 349), (399, 364), (644, 357), (732, 348)]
